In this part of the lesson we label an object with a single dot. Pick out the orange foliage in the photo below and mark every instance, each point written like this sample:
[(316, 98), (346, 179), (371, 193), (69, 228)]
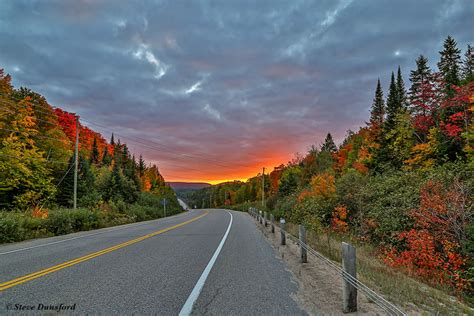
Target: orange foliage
[(323, 184), (275, 178), (39, 213), (432, 247), (339, 219)]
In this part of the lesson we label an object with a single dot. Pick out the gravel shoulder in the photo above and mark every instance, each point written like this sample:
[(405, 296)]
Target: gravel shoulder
[(320, 287)]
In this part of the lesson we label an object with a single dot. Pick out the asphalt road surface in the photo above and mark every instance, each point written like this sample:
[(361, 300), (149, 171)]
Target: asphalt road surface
[(212, 262)]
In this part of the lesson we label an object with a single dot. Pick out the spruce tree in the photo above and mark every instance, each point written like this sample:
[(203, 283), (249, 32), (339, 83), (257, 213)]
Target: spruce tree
[(329, 145), (468, 64), (449, 64), (393, 104), (106, 159), (377, 111), (112, 141), (94, 158), (418, 77), (401, 92), (141, 166)]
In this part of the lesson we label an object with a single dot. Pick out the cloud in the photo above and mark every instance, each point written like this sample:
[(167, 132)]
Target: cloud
[(220, 80), (144, 53), (212, 112), (193, 88)]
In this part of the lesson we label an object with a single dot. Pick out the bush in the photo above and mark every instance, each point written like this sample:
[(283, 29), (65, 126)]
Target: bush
[(10, 227), (65, 221)]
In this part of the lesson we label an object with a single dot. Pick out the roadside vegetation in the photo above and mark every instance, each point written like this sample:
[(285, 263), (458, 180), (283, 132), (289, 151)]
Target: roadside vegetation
[(400, 187), (37, 173)]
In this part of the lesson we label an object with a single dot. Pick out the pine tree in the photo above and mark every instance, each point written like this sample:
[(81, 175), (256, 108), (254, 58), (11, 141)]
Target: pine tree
[(141, 166), (449, 64), (329, 145), (377, 111), (94, 158), (468, 64), (112, 141), (401, 92), (421, 75), (393, 104), (106, 159)]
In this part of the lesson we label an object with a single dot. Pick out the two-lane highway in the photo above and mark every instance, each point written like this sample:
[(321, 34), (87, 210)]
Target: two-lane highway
[(203, 262)]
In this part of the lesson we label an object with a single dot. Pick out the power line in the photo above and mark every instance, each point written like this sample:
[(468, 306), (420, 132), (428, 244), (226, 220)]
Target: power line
[(37, 159), (40, 136)]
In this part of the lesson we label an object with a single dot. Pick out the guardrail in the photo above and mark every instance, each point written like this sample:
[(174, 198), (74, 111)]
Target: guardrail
[(351, 285)]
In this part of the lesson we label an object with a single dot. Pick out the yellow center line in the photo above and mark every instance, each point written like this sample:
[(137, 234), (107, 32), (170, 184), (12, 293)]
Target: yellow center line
[(35, 275)]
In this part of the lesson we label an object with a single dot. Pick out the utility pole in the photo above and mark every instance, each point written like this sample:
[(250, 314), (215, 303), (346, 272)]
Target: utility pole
[(210, 200), (76, 161), (263, 187)]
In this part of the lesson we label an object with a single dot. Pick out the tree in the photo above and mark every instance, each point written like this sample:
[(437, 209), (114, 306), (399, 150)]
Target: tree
[(106, 158), (418, 77), (449, 63), (468, 64), (329, 144), (393, 105), (377, 112), (141, 166), (26, 178), (401, 92), (94, 159), (289, 180)]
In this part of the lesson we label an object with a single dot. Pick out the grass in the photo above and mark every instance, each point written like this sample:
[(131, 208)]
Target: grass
[(408, 293)]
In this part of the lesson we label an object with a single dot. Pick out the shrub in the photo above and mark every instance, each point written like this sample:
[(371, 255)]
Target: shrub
[(10, 227)]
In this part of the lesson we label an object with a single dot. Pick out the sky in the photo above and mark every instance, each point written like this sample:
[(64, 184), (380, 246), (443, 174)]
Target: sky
[(216, 90)]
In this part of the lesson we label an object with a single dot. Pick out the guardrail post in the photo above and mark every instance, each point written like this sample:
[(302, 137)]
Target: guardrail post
[(272, 220), (260, 217), (282, 232), (349, 292), (265, 219), (302, 235)]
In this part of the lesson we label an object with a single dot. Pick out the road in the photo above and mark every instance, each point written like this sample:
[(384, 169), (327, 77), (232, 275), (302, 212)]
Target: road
[(212, 262)]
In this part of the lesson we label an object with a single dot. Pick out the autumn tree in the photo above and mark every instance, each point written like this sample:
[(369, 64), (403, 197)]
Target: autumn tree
[(26, 178)]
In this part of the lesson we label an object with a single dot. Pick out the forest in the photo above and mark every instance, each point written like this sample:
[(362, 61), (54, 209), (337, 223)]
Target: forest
[(402, 183), (37, 162)]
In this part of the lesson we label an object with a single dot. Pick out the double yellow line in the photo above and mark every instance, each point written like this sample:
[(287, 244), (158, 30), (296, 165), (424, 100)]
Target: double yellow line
[(35, 275)]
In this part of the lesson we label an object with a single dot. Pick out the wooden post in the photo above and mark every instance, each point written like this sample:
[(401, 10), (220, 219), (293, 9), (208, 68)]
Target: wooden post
[(265, 219), (349, 292), (282, 232), (272, 220), (302, 233)]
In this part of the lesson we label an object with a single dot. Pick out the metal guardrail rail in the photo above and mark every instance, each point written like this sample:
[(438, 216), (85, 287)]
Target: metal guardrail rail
[(378, 299)]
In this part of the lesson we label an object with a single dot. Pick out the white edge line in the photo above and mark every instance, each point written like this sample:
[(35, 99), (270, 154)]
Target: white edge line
[(120, 227), (188, 305)]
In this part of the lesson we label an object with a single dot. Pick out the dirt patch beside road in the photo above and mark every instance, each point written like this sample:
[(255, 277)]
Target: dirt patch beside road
[(320, 287)]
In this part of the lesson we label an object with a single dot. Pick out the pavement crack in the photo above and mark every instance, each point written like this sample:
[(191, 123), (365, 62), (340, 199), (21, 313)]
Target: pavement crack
[(216, 293)]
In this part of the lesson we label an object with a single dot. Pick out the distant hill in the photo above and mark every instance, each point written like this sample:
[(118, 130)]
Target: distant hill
[(188, 185)]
